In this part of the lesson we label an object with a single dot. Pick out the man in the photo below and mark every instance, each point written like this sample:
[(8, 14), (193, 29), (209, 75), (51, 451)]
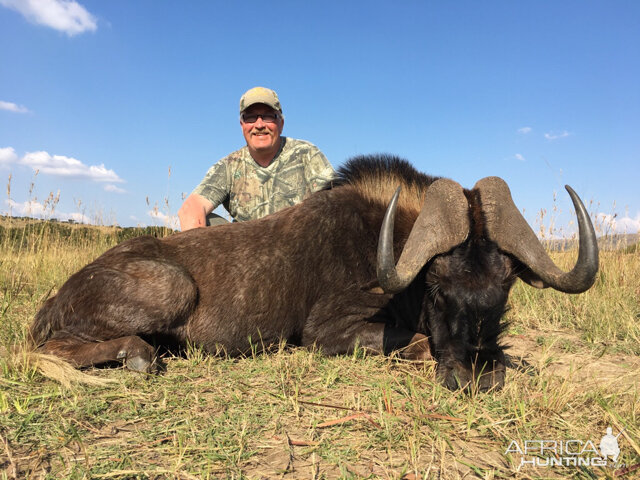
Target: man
[(269, 173)]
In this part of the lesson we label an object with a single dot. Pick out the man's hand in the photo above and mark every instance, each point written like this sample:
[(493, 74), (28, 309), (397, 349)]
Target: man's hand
[(193, 212)]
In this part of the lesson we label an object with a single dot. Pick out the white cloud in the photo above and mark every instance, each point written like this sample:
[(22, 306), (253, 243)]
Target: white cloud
[(78, 217), (8, 155), (62, 166), (615, 224), (35, 209), (30, 208), (67, 16), (525, 130), (113, 188), (12, 107), (556, 136), (170, 221), (519, 157)]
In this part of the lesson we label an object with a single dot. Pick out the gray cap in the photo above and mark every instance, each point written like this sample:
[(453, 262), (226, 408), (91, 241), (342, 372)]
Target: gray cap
[(260, 95)]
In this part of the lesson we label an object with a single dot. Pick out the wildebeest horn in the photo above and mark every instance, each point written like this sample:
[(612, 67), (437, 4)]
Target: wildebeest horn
[(442, 224), (509, 230)]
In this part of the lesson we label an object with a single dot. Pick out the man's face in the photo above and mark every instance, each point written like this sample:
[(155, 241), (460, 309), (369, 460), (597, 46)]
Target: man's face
[(261, 135)]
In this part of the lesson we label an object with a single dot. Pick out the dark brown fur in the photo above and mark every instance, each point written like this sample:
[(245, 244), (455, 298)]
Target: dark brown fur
[(306, 274)]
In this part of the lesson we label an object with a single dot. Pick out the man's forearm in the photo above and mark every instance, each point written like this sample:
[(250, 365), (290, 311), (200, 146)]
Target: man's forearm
[(193, 214), (187, 222)]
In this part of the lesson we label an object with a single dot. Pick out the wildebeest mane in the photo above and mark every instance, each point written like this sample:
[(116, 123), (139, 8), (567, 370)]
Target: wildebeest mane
[(376, 178)]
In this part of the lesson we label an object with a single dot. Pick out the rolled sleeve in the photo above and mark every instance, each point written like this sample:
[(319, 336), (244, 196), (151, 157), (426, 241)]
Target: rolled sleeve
[(215, 185)]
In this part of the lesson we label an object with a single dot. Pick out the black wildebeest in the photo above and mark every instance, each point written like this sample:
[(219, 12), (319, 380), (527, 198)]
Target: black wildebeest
[(323, 272)]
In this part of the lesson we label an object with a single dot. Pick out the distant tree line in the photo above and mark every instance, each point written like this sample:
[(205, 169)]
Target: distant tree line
[(67, 232)]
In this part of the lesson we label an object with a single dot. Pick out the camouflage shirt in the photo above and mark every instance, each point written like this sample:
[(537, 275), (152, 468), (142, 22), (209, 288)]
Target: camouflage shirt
[(249, 191)]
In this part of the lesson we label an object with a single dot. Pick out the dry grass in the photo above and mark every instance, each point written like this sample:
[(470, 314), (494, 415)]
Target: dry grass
[(297, 414)]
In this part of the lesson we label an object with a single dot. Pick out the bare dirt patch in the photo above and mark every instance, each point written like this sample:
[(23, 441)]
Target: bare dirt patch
[(565, 355)]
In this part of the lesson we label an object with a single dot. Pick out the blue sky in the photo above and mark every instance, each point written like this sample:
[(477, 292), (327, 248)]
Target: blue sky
[(104, 97)]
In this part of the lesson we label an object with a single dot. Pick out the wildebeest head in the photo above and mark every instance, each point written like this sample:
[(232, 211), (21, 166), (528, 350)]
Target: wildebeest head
[(471, 246)]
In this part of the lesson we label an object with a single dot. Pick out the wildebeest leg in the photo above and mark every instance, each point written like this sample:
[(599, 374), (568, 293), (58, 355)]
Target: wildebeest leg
[(137, 354), (101, 312), (374, 336)]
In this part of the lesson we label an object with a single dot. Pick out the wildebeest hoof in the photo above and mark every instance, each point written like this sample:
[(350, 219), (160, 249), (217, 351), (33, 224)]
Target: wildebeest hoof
[(139, 364), (139, 359)]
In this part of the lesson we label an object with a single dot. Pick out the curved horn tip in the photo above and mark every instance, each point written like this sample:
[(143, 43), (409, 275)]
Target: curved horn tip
[(586, 267), (386, 270), (577, 201)]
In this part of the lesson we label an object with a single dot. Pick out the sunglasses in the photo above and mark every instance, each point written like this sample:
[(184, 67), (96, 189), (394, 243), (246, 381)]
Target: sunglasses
[(266, 117)]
